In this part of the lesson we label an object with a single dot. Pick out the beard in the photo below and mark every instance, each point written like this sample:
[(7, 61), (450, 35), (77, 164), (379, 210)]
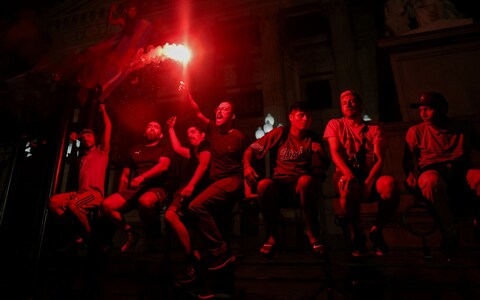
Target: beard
[(152, 137)]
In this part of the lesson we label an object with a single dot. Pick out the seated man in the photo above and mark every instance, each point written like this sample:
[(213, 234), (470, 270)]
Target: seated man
[(293, 148), (194, 179), (440, 147), (144, 184), (358, 150), (91, 182), (212, 208)]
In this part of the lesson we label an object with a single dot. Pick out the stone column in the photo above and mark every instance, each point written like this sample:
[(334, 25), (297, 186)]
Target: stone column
[(346, 66), (274, 101)]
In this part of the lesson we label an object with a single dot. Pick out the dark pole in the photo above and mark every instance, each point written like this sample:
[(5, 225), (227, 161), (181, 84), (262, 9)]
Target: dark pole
[(54, 184)]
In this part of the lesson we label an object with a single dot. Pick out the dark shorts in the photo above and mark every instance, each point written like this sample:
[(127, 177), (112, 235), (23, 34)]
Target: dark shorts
[(374, 195), (286, 191), (132, 196)]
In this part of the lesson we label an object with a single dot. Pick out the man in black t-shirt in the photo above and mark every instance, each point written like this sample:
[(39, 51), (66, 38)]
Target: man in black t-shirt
[(144, 184), (194, 178), (226, 172)]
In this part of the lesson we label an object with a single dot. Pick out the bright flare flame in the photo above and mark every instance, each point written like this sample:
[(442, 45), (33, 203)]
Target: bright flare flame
[(179, 53), (159, 54)]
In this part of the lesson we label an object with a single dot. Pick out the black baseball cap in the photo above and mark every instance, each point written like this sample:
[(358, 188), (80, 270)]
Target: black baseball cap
[(86, 130), (431, 99)]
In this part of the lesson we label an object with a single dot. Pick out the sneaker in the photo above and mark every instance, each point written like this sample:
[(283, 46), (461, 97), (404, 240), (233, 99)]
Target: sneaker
[(221, 261), (206, 294), (77, 242), (318, 250), (210, 294), (186, 277), (359, 245), (379, 245), (132, 240)]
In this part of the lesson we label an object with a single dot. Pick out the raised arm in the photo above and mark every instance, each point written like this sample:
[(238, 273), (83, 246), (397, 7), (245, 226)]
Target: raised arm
[(108, 128), (176, 145), (183, 89)]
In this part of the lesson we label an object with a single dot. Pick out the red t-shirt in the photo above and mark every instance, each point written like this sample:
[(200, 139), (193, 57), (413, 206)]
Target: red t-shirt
[(432, 145), (351, 138)]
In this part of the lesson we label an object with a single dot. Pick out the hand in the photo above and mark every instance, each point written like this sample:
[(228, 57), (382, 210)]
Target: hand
[(171, 122), (344, 182), (316, 147), (250, 175), (123, 185), (73, 136), (182, 88), (136, 182), (411, 181), (188, 191), (368, 187), (101, 108)]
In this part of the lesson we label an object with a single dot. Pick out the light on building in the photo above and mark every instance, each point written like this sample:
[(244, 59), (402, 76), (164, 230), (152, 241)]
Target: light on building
[(270, 119), (259, 133), (267, 127)]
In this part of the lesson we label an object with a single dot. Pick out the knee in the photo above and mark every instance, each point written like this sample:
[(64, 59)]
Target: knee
[(171, 216), (387, 187), (146, 202), (194, 207), (264, 185), (431, 181), (54, 205), (72, 206), (473, 180), (305, 182), (106, 207)]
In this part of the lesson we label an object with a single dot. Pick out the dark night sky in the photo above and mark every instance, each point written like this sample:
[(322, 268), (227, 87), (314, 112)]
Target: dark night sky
[(23, 41)]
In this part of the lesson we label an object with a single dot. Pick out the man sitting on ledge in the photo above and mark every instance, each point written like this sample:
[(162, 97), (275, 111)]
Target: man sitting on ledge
[(440, 147), (358, 151)]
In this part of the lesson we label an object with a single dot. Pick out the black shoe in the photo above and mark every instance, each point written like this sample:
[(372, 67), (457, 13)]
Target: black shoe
[(132, 240), (449, 246), (221, 261), (187, 277), (359, 245), (379, 245)]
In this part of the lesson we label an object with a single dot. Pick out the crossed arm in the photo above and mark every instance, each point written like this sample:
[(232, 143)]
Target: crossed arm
[(159, 168)]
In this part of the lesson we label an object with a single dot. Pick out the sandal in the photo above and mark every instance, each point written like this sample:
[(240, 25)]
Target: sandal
[(268, 250)]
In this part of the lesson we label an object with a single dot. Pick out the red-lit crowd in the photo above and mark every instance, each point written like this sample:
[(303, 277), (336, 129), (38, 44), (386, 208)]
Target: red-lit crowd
[(220, 168)]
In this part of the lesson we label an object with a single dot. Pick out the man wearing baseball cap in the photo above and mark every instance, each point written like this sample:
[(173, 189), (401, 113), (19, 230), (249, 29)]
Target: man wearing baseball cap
[(439, 149), (91, 183)]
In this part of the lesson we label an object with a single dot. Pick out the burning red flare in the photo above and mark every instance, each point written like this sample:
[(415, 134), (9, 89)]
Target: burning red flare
[(175, 52), (179, 53)]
